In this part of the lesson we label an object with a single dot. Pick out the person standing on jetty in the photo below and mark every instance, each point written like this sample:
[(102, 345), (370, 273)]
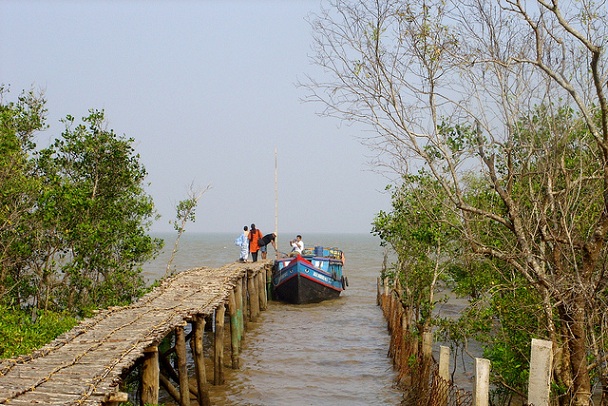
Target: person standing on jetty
[(242, 241), (254, 236), (268, 239)]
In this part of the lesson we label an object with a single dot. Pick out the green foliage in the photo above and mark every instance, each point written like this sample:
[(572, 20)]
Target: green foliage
[(504, 312), (74, 216), (185, 212), (95, 201), (421, 233), (504, 318), (19, 186), (73, 224), (21, 335), (516, 137)]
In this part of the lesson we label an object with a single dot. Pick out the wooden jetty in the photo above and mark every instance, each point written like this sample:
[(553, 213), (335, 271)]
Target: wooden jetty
[(88, 365)]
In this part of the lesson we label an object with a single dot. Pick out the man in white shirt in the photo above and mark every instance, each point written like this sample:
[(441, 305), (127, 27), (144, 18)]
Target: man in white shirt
[(297, 244)]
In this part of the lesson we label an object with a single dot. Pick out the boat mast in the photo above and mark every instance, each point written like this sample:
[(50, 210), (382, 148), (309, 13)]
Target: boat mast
[(276, 197)]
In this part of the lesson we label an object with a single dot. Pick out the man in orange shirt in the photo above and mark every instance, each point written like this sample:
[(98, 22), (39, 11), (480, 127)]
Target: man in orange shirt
[(254, 236)]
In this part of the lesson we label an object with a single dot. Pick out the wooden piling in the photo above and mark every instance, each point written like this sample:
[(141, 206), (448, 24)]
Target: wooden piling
[(171, 390), (167, 370), (269, 293), (234, 330), (444, 363), (150, 376), (254, 301), (218, 359), (239, 308), (444, 375), (262, 289), (244, 300), (192, 296), (196, 343), (182, 366), (115, 399)]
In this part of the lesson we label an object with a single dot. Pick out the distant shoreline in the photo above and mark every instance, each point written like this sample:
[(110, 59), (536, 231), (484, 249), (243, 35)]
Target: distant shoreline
[(173, 232)]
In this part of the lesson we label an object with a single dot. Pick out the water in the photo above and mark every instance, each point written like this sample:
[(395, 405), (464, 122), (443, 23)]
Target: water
[(329, 353)]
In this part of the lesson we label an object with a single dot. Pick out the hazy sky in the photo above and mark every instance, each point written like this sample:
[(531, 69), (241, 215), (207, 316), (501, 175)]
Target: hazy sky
[(208, 91)]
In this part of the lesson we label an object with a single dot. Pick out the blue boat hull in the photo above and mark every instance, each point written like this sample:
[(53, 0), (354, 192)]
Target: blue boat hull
[(298, 281)]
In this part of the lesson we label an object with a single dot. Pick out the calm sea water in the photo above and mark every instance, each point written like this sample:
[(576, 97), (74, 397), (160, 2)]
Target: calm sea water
[(330, 353)]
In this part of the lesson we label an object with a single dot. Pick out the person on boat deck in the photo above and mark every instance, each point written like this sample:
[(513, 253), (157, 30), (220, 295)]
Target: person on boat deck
[(297, 245), (268, 239), (255, 236), (243, 242)]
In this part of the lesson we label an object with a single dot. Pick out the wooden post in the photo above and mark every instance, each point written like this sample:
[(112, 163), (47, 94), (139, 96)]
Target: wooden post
[(269, 292), (541, 364), (254, 301), (391, 326), (244, 303), (234, 329), (150, 376), (262, 288), (196, 343), (444, 363), (115, 399), (404, 367), (218, 359), (166, 369), (257, 298), (444, 375), (481, 390), (239, 308), (425, 369), (171, 390), (182, 366)]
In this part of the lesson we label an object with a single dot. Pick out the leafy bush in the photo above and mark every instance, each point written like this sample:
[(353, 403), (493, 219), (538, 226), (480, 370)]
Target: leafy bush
[(23, 333)]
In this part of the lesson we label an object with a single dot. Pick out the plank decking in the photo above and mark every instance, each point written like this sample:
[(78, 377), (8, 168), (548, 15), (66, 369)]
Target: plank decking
[(86, 365)]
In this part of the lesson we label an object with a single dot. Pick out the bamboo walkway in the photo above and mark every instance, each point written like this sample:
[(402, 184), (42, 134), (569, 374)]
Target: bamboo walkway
[(88, 365)]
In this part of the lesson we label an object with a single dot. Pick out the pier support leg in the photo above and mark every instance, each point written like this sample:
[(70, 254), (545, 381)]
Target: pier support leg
[(262, 288), (234, 330), (167, 372), (198, 327), (244, 305), (239, 308), (115, 399), (150, 376), (171, 390), (182, 366), (254, 301), (218, 359)]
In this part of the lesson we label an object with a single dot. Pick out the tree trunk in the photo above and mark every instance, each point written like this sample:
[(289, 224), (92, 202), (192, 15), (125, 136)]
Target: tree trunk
[(578, 355), (563, 370)]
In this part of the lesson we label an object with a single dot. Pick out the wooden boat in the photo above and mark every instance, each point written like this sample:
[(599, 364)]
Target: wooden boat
[(311, 277)]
